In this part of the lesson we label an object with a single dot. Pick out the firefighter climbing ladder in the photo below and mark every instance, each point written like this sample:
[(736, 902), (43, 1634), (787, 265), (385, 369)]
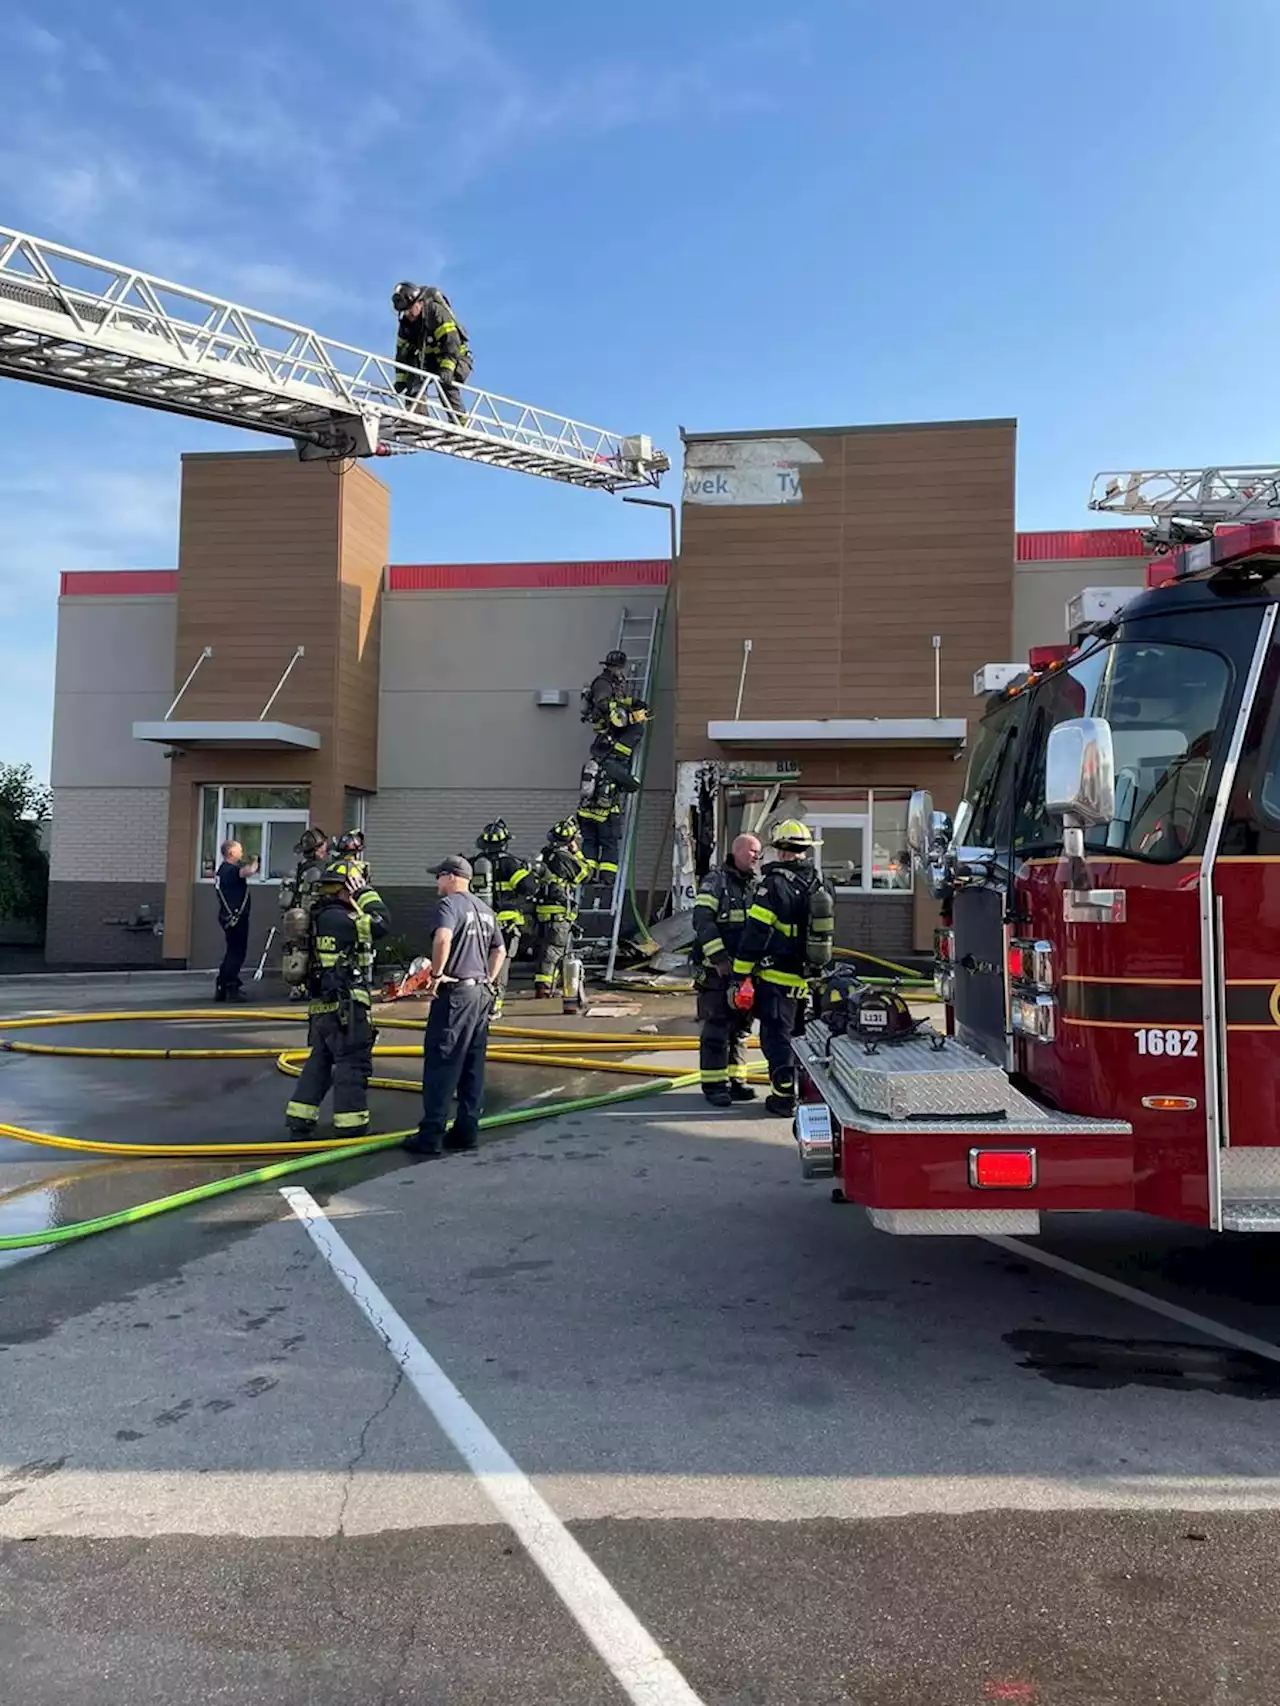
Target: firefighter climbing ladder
[(80, 323), (1186, 504), (638, 633)]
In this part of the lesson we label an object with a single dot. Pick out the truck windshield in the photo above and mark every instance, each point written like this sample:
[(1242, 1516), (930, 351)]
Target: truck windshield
[(1164, 704)]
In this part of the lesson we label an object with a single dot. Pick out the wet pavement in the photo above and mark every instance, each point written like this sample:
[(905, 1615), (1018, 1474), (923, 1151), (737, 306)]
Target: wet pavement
[(818, 1465)]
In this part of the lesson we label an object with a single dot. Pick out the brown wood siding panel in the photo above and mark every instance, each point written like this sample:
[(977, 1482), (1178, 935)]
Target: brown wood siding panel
[(900, 534), (364, 538)]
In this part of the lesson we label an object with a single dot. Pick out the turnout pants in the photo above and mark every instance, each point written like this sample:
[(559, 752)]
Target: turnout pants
[(342, 1059), (554, 938), (453, 1048), (600, 838), (511, 933), (781, 1012), (722, 1042), (237, 940)]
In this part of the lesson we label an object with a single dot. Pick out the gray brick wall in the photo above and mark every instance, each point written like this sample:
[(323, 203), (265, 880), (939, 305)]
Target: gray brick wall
[(882, 924), (109, 834), (80, 932)]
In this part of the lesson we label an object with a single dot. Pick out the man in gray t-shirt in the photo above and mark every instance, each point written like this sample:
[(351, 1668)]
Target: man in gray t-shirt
[(466, 956)]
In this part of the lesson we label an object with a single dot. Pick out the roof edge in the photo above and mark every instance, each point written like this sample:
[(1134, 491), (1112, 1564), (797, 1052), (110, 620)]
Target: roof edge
[(846, 431)]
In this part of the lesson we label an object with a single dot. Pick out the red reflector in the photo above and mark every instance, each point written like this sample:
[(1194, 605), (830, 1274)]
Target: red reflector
[(1163, 572), (1041, 657), (1015, 964), (1002, 1169)]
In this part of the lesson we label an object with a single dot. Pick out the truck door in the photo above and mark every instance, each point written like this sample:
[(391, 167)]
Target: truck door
[(982, 832), (1241, 905)]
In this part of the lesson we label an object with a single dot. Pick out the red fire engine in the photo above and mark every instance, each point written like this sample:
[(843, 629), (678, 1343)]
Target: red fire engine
[(1110, 887)]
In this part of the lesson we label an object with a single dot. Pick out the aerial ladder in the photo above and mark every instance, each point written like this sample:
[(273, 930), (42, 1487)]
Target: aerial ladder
[(1186, 504), (79, 323)]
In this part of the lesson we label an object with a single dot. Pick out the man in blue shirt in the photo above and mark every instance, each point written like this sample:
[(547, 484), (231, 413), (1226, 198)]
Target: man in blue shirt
[(466, 957), (232, 886)]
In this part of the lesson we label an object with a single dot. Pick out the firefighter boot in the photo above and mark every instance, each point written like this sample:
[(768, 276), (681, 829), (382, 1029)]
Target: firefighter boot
[(717, 1095), (740, 1092), (783, 1106)]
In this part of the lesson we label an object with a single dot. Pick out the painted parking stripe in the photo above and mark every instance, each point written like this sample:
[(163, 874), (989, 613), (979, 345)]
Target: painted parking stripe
[(1144, 1299), (639, 1664)]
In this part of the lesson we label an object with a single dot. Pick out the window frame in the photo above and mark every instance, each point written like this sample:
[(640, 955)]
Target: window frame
[(862, 816), (294, 816)]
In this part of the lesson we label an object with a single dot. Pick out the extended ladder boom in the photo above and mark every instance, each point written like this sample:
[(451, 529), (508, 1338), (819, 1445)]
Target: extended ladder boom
[(1188, 503), (83, 324)]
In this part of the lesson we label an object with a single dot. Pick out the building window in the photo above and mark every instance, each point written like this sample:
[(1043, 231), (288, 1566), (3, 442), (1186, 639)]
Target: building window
[(863, 841), (265, 821), (354, 808)]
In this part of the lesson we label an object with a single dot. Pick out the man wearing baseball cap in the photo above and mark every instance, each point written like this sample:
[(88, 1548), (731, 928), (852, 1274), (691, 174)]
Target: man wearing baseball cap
[(466, 957)]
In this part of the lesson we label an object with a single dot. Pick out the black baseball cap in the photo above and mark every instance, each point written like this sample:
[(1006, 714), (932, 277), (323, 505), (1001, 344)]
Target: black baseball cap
[(453, 866)]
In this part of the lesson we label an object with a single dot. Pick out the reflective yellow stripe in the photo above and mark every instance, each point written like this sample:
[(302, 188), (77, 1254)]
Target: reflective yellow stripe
[(735, 915), (762, 914), (821, 926), (511, 918), (542, 977), (786, 979), (301, 1111), (712, 1077), (743, 968), (607, 868), (350, 1122), (739, 1072), (707, 900), (714, 946), (443, 331), (784, 929)]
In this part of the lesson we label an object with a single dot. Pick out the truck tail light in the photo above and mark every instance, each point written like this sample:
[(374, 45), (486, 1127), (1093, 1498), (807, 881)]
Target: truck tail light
[(1002, 1169), (944, 954), (1034, 1016), (1031, 964)]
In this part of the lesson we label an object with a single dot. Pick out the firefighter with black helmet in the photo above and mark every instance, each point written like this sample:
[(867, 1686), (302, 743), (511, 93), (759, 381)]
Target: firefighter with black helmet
[(719, 919), (786, 942), (608, 688), (430, 339), (600, 815), (512, 893), (562, 870), (312, 849), (347, 918)]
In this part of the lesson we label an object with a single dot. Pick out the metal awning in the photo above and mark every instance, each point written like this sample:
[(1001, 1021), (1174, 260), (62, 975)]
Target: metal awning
[(841, 731), (242, 736)]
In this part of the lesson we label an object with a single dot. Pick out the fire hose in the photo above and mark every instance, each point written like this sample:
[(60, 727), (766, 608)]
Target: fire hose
[(582, 1051)]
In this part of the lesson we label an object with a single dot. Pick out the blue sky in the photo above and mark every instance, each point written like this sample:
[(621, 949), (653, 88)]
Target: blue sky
[(679, 214)]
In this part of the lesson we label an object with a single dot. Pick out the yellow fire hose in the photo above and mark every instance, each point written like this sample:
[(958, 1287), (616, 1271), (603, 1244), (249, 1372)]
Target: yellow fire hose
[(574, 1051)]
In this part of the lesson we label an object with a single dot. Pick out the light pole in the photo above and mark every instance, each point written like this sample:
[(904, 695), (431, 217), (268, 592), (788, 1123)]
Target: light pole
[(661, 503)]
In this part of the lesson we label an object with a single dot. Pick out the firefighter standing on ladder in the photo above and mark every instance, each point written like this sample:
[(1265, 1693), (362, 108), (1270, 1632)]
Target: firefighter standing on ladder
[(719, 919), (348, 917), (786, 939), (430, 339)]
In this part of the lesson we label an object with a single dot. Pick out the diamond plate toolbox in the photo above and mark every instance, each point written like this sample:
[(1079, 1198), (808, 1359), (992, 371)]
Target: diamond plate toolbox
[(916, 1081)]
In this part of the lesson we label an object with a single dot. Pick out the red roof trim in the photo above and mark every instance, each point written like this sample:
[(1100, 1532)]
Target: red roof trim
[(1087, 542), (117, 583), (466, 577)]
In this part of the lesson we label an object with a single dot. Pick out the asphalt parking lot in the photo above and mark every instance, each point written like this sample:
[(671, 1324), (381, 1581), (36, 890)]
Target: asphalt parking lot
[(618, 1408)]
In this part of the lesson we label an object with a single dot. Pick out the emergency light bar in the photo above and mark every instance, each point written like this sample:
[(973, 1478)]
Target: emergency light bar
[(1246, 548)]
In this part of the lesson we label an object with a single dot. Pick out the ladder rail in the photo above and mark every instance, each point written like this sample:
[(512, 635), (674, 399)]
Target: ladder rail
[(631, 813), (138, 338), (1207, 495)]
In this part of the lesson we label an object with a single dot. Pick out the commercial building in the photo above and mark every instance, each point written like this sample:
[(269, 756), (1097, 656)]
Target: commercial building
[(284, 672)]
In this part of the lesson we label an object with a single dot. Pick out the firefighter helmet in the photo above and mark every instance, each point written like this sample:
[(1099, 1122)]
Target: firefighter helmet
[(615, 660), (350, 841), (495, 834), (341, 876), (405, 295), (562, 833), (310, 842), (793, 835)]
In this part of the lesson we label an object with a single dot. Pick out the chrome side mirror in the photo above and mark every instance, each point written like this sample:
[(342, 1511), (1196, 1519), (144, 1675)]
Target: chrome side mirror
[(920, 814), (1080, 778)]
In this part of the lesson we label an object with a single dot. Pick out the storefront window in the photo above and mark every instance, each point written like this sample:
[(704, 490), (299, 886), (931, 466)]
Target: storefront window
[(863, 840), (265, 821)]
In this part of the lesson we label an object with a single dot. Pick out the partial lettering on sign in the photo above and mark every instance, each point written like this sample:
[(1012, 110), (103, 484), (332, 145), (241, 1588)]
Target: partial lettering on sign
[(746, 471)]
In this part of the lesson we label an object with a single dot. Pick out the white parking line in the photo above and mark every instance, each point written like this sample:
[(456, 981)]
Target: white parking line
[(639, 1664), (1144, 1299)]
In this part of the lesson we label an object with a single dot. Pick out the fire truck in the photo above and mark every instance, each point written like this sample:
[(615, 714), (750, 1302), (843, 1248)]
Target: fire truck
[(1109, 956)]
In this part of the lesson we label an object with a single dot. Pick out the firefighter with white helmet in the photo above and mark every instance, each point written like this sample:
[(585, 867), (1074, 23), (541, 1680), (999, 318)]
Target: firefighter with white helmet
[(786, 941)]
